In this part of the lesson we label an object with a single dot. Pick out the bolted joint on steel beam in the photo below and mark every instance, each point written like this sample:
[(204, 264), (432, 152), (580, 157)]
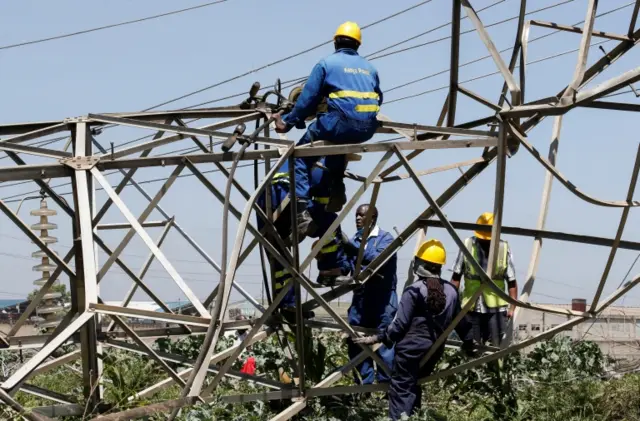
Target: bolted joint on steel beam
[(81, 162)]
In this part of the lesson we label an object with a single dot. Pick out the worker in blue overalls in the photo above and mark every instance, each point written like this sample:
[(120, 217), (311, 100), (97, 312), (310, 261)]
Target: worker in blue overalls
[(333, 265), (374, 304), (427, 307), (351, 87)]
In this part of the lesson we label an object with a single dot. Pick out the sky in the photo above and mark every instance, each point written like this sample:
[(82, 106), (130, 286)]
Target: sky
[(137, 66)]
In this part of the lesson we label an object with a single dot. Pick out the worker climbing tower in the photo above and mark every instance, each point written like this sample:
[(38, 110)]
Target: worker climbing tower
[(51, 306)]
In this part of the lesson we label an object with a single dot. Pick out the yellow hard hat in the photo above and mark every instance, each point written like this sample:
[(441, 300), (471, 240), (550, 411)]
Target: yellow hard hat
[(350, 30), (484, 219), (432, 251)]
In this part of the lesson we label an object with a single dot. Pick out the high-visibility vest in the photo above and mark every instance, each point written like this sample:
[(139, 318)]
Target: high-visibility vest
[(472, 278)]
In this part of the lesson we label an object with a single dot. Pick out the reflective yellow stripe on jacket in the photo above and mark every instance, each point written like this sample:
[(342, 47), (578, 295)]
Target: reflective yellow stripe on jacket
[(472, 278), (354, 94)]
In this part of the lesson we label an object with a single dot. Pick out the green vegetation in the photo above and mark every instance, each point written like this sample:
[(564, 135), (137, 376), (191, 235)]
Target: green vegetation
[(560, 380)]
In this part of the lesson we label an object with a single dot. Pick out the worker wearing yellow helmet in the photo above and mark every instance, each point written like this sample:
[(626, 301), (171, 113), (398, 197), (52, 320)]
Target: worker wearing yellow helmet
[(351, 87), (426, 308), (490, 314)]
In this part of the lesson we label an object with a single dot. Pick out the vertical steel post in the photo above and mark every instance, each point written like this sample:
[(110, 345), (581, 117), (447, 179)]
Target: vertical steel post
[(85, 287), (293, 203)]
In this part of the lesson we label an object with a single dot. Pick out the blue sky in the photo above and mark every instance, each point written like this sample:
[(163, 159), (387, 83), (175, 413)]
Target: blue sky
[(133, 67)]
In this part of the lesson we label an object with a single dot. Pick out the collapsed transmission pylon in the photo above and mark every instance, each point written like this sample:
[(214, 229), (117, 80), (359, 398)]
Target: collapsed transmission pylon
[(506, 129)]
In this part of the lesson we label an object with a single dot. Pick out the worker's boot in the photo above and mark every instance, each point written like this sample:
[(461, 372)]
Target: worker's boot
[(337, 197), (333, 278), (306, 226)]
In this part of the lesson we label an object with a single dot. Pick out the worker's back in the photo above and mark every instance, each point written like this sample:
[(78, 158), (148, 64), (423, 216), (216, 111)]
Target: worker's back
[(424, 326), (351, 85)]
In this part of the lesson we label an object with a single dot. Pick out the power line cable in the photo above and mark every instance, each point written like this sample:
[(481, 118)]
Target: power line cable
[(114, 25), (281, 60)]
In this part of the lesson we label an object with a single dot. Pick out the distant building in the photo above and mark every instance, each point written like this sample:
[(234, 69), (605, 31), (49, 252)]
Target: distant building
[(616, 330)]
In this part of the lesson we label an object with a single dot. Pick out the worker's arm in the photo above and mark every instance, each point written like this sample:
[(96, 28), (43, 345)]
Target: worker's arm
[(371, 253), (377, 89), (512, 283), (309, 98), (401, 322), (458, 270)]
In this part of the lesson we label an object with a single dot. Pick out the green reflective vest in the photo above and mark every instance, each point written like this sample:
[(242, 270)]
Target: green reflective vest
[(472, 278)]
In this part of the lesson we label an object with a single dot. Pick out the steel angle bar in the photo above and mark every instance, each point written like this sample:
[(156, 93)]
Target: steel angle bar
[(47, 394), (34, 150), (433, 170), (452, 131), (236, 353), (540, 233), (56, 411), (440, 122), (37, 130), (485, 278), (454, 62), (213, 360), (593, 71), (124, 225), (127, 176), (197, 378), (326, 150), (408, 232), (24, 413), (347, 208), (152, 315), (158, 126), (170, 139), (56, 362), (213, 112), (634, 17), (469, 93), (143, 216), (148, 350), (583, 53), (36, 300), (143, 271), (149, 242), (607, 105), (184, 234), (169, 160), (503, 352), (618, 293), (35, 239), (542, 216), (181, 359), (328, 381), (616, 241), (33, 172), (583, 97), (495, 54), (563, 180), (46, 351), (578, 30)]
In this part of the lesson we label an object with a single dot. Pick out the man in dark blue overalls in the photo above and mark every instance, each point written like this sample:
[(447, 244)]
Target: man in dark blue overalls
[(333, 264), (426, 308), (351, 86), (374, 304)]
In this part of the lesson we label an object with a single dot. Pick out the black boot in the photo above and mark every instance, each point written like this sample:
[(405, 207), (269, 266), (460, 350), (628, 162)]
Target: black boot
[(337, 198)]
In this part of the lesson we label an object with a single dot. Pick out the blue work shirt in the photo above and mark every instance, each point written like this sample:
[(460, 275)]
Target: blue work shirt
[(320, 180), (385, 279), (348, 81), (415, 327)]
